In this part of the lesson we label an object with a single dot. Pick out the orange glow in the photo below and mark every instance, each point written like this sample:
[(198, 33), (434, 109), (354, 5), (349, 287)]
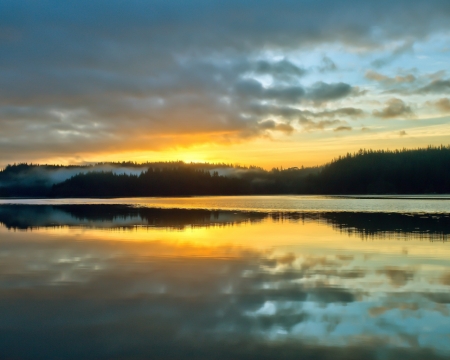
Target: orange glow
[(269, 237), (303, 149)]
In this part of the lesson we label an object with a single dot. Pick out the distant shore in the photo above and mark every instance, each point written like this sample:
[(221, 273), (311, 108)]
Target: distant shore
[(420, 172)]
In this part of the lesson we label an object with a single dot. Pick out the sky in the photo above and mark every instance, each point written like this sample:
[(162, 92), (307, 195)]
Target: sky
[(267, 83)]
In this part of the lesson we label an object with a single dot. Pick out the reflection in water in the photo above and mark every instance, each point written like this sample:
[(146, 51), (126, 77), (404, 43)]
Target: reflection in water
[(280, 285), (115, 216), (367, 225)]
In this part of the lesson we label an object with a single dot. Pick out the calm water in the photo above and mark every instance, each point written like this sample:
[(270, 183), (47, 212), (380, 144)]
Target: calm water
[(326, 281), (413, 203)]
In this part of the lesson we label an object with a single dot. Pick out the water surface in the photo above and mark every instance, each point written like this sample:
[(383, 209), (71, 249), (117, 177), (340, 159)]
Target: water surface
[(130, 282), (306, 203)]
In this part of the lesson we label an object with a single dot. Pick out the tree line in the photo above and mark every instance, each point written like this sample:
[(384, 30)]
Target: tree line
[(418, 171)]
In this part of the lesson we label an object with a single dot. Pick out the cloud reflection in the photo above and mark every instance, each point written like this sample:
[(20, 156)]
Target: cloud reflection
[(66, 296)]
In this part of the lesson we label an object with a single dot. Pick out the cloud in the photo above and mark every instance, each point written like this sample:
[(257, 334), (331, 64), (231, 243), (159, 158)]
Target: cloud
[(436, 86), (327, 65), (406, 47), (322, 92), (310, 125), (349, 111), (318, 92), (399, 79), (287, 259), (402, 133), (282, 69), (397, 277), (251, 88), (288, 129), (82, 77), (410, 83), (343, 128), (320, 120), (380, 310), (373, 75), (272, 125), (293, 113), (445, 279), (394, 108), (443, 105)]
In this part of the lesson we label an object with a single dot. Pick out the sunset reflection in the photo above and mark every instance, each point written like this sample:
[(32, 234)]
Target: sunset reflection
[(290, 281)]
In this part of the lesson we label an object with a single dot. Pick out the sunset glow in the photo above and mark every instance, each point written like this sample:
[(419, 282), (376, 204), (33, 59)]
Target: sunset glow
[(195, 82)]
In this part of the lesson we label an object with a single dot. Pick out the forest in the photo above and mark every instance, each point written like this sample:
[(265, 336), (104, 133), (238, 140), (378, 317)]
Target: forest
[(418, 171)]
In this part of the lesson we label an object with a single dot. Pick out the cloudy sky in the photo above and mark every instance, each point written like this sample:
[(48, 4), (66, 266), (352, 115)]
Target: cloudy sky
[(262, 82)]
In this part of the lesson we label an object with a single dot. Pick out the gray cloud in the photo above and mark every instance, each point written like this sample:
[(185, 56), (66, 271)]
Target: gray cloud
[(310, 120), (318, 92), (349, 111), (394, 108), (436, 86), (321, 92), (406, 47), (282, 69), (295, 113), (343, 128), (327, 65), (253, 89), (327, 118)]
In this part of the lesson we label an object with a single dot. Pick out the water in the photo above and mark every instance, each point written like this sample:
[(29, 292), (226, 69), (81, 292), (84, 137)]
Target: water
[(305, 203), (123, 281)]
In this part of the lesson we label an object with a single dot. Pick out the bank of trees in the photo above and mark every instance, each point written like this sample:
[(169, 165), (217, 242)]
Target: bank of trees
[(385, 172), (419, 171), (153, 182)]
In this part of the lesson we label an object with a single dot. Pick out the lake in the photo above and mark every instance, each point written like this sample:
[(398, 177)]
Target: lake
[(277, 277)]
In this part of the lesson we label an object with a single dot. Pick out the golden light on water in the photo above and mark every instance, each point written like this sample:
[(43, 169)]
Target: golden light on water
[(294, 278), (266, 236)]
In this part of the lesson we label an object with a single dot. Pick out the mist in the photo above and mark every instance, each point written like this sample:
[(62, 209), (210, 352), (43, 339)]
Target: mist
[(43, 175)]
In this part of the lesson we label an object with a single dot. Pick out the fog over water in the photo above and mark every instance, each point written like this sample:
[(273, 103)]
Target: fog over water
[(123, 281)]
